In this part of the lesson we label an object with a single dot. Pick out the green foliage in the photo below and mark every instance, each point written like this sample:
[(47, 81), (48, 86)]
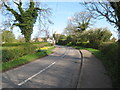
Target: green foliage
[(24, 59), (82, 44), (83, 37), (113, 39), (109, 55), (78, 25), (62, 40), (13, 51), (69, 44), (81, 21), (8, 36), (110, 50), (62, 37), (91, 38), (112, 59), (97, 36), (56, 37), (69, 38), (20, 44), (109, 10), (21, 39), (25, 19)]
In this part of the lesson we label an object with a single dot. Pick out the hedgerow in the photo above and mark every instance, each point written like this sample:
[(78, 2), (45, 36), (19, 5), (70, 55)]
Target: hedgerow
[(13, 51)]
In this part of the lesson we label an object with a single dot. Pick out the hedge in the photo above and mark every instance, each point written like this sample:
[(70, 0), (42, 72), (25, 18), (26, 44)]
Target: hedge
[(13, 51), (111, 53)]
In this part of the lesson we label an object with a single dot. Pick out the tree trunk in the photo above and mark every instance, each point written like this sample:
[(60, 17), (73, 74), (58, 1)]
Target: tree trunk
[(25, 18), (27, 38), (27, 31), (119, 34)]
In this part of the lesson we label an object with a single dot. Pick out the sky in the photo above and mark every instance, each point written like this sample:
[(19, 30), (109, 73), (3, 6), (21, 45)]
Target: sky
[(61, 11)]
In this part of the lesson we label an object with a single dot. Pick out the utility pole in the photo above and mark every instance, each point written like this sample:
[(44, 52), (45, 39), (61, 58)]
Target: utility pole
[(53, 40)]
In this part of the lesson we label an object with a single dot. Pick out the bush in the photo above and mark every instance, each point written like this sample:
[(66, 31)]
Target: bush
[(97, 36), (69, 44), (106, 46), (22, 44), (82, 44), (110, 51), (62, 42), (17, 50)]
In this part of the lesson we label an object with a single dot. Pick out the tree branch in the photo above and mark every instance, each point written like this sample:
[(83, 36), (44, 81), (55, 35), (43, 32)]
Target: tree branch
[(31, 4), (116, 7), (19, 24), (38, 9), (20, 6), (101, 13), (12, 11)]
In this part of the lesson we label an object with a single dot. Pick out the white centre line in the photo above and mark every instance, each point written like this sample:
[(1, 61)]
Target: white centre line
[(35, 74)]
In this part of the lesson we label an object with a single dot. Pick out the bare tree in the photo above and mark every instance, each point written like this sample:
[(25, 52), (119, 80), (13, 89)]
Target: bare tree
[(70, 29), (81, 20), (77, 24), (107, 9)]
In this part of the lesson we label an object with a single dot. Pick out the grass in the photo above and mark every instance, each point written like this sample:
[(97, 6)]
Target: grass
[(20, 44), (25, 59), (95, 52)]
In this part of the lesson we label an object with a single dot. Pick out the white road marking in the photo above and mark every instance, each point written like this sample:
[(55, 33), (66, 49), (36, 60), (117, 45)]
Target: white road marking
[(35, 74)]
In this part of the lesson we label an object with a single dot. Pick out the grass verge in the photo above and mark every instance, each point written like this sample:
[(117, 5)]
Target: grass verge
[(25, 59), (110, 67), (95, 52)]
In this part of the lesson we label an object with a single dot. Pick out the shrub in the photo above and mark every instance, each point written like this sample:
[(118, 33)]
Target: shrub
[(21, 44), (18, 50), (62, 42), (110, 51), (69, 44), (82, 44), (7, 36), (97, 36)]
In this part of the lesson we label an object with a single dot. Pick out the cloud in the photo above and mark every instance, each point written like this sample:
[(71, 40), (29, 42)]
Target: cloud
[(70, 18)]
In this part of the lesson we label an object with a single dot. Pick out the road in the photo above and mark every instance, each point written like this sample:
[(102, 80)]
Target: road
[(58, 70)]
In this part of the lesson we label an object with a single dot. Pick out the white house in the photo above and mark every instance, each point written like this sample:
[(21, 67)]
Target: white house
[(51, 40)]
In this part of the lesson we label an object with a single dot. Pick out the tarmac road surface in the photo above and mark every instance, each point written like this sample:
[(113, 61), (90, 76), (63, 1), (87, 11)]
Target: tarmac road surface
[(58, 70)]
